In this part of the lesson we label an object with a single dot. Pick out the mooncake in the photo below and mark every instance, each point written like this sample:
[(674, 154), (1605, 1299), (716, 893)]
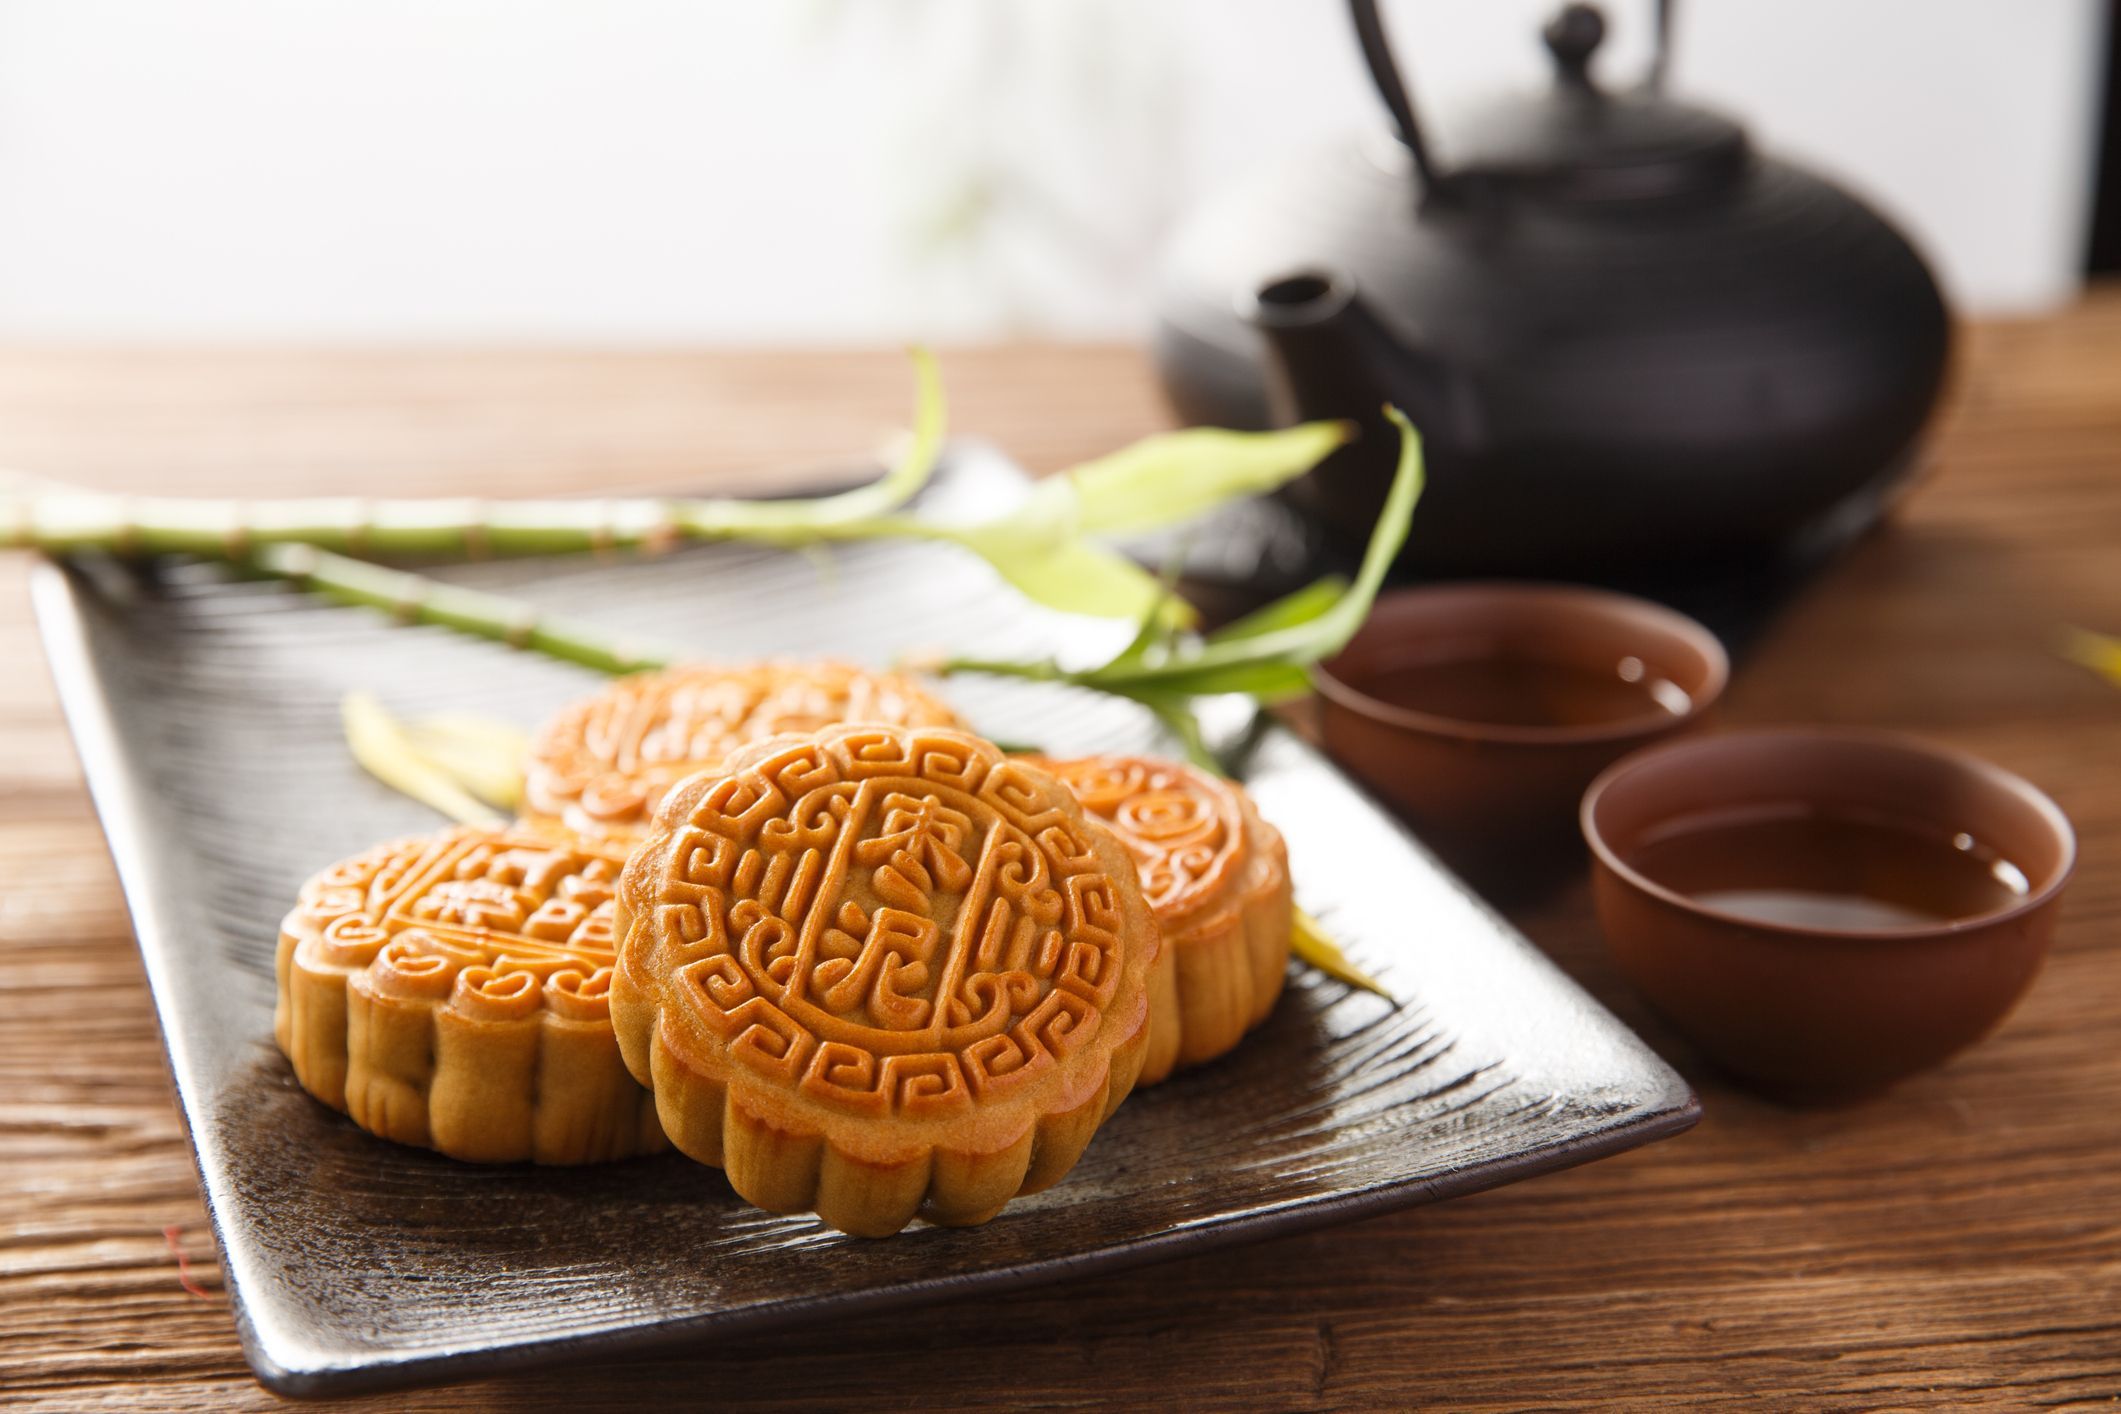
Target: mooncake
[(603, 762), (879, 971), (1217, 876), (452, 991)]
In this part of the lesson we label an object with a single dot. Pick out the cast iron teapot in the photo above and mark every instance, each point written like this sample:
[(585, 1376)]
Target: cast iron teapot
[(1628, 337)]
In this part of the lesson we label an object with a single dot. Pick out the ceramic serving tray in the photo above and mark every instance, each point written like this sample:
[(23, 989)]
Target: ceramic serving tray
[(206, 710)]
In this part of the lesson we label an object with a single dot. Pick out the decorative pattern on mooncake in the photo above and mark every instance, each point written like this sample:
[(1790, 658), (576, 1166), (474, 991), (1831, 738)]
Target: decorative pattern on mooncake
[(600, 766), (1217, 875), (453, 991), (879, 972)]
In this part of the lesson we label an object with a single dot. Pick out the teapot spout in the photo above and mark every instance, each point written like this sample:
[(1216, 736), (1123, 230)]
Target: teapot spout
[(1330, 355)]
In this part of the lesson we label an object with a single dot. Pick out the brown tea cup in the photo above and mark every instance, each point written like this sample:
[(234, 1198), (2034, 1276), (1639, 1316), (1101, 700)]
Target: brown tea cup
[(1796, 1007), (1484, 779)]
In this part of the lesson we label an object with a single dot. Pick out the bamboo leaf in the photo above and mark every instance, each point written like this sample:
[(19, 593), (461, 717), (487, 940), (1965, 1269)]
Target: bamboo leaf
[(1309, 941), (1331, 630), (1085, 578), (1154, 631), (1320, 637), (381, 745), (1040, 546), (1301, 607), (916, 463), (1172, 477), (1267, 655), (1040, 551), (1271, 680), (1061, 572)]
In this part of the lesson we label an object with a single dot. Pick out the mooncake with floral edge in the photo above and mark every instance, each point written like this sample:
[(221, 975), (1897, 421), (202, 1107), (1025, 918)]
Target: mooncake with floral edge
[(1216, 874), (600, 765), (452, 991), (879, 972)]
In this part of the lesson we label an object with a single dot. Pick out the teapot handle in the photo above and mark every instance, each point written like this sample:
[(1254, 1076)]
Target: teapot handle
[(1384, 72), (1653, 81)]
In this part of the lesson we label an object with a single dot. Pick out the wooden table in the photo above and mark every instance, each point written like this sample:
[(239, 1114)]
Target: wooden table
[(1958, 1241)]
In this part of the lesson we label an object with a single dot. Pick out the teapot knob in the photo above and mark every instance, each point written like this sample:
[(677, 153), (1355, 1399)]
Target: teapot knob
[(1572, 37)]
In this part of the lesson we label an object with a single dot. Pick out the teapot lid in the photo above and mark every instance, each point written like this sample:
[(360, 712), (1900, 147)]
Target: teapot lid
[(1579, 141)]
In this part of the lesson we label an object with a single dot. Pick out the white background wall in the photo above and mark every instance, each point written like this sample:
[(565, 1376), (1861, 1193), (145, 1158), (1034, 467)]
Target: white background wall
[(627, 170)]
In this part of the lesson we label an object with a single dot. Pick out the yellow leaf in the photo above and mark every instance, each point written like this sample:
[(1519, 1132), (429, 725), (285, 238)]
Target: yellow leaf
[(2097, 651), (1311, 944), (481, 754), (379, 742)]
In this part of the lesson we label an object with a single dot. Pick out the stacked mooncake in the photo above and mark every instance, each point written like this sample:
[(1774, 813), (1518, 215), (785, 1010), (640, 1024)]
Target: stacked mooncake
[(797, 920)]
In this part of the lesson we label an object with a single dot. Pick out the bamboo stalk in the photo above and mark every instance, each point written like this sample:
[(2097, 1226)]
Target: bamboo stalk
[(60, 519), (416, 599)]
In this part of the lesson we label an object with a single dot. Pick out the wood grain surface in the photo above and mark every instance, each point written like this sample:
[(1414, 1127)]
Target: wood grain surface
[(1956, 1242)]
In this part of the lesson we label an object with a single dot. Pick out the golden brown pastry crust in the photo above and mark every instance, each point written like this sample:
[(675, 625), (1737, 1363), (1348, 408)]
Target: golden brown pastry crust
[(881, 971), (602, 763), (1217, 875), (452, 991)]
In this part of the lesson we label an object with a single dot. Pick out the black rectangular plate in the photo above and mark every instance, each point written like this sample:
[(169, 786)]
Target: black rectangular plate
[(206, 710)]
